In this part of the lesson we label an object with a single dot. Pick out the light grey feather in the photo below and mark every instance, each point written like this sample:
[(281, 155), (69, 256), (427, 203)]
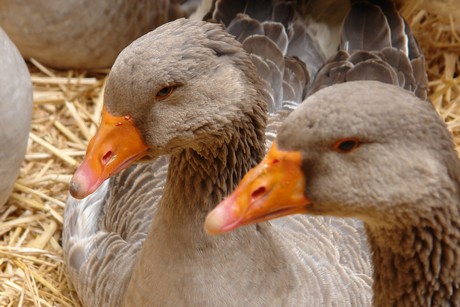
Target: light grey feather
[(277, 33), (368, 70), (105, 231), (381, 56), (396, 23), (265, 48), (15, 114), (370, 32), (243, 26)]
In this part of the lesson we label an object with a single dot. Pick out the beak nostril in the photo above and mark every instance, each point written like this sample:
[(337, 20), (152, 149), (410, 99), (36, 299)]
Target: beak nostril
[(74, 188), (257, 193), (106, 158)]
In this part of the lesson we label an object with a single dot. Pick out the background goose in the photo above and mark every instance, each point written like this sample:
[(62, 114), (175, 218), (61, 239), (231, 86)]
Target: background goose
[(83, 33), (15, 114), (374, 151), (190, 91)]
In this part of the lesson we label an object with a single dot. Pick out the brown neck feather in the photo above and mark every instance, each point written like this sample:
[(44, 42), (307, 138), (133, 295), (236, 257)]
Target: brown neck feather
[(418, 265), (199, 179), (179, 254)]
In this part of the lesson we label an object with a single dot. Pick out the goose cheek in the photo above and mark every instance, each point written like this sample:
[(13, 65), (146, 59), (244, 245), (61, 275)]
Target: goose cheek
[(116, 145), (272, 189)]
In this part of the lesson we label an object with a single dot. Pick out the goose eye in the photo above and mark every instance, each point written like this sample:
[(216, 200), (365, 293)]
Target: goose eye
[(346, 145), (165, 92)]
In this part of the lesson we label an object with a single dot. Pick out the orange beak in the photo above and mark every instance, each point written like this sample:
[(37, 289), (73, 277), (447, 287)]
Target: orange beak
[(272, 189), (116, 145)]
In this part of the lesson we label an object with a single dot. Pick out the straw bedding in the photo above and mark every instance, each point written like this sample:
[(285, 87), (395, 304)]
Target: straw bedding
[(67, 107)]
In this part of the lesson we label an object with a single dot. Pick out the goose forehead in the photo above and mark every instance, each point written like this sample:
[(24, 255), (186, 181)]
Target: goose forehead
[(367, 109), (181, 37), (158, 56), (156, 60), (177, 51), (132, 73)]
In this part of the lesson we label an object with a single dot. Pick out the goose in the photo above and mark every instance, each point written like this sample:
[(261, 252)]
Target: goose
[(375, 151), (83, 33), (15, 114), (190, 103)]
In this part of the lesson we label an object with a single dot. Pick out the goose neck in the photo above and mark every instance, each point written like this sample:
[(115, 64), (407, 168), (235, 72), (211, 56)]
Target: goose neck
[(418, 264)]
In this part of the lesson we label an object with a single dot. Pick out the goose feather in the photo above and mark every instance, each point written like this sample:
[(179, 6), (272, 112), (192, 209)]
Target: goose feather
[(398, 172), (145, 244)]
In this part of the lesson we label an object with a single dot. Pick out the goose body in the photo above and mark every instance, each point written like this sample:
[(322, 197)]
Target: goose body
[(82, 33), (376, 150), (191, 103), (15, 114)]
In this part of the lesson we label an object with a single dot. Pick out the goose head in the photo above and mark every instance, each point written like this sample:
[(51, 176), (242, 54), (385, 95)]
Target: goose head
[(360, 149), (185, 85)]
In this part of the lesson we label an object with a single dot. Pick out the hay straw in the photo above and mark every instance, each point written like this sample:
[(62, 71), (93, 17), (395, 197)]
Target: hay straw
[(59, 153), (69, 134), (66, 81), (78, 119), (32, 271), (67, 106)]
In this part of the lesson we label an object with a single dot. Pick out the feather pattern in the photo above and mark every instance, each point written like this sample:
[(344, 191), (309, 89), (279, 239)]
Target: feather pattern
[(391, 55), (141, 234), (272, 41), (104, 232), (269, 36), (369, 33), (401, 177)]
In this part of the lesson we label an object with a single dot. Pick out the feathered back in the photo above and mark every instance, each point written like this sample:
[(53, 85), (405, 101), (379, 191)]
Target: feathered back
[(283, 51), (379, 46)]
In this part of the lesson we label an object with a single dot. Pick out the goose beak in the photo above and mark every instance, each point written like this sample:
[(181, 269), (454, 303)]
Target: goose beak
[(272, 189), (116, 145)]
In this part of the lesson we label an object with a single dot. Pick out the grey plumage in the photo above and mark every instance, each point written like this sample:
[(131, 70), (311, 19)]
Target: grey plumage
[(268, 36), (365, 33), (401, 177), (402, 275), (391, 55), (145, 243), (15, 114), (83, 33), (403, 182)]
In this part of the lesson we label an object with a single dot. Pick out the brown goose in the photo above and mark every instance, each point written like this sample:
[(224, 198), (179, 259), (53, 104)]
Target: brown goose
[(15, 114), (189, 90), (83, 33), (373, 151)]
